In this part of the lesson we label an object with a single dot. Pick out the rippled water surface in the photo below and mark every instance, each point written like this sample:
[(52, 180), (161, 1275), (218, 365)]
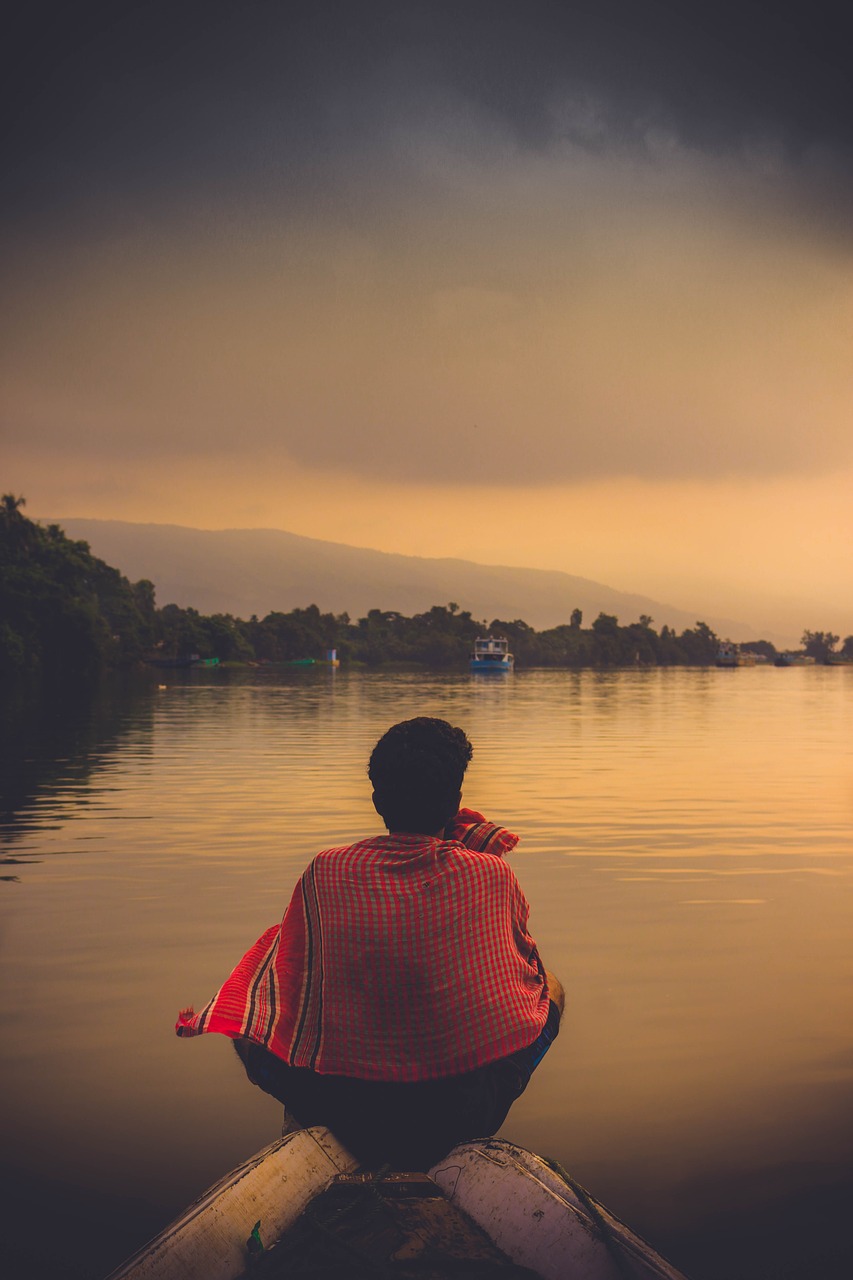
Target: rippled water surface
[(686, 850)]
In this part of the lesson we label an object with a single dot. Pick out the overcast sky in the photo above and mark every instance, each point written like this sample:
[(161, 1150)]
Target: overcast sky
[(567, 285)]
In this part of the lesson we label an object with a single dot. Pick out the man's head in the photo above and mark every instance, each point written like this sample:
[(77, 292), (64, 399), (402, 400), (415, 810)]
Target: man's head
[(417, 769)]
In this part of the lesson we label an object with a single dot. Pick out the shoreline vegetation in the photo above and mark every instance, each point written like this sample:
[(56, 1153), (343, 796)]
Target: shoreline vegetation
[(64, 612)]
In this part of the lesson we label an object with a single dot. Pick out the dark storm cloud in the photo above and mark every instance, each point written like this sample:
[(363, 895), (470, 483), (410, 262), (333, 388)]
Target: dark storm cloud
[(364, 235), (118, 106)]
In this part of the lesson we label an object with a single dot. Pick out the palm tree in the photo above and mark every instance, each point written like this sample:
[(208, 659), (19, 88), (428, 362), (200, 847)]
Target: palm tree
[(10, 508), (13, 524)]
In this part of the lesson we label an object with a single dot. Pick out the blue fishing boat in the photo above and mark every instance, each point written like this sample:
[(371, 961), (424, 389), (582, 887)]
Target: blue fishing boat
[(491, 654)]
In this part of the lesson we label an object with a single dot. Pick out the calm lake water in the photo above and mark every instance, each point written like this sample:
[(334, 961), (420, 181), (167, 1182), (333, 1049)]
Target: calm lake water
[(686, 850)]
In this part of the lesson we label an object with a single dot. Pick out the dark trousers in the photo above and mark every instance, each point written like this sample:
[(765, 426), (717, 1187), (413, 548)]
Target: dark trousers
[(405, 1125)]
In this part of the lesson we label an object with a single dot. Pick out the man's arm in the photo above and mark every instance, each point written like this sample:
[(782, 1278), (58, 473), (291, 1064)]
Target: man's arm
[(474, 831)]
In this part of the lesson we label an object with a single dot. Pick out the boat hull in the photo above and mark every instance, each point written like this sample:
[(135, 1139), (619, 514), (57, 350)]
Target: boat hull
[(533, 1214), (208, 1241), (541, 1218)]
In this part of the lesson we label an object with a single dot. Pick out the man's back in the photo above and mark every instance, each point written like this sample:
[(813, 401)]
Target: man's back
[(402, 957), (421, 963)]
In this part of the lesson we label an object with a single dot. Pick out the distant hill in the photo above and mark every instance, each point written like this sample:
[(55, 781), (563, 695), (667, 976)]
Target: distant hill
[(246, 571)]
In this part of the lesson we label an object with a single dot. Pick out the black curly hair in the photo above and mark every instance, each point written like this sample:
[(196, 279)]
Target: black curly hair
[(417, 769)]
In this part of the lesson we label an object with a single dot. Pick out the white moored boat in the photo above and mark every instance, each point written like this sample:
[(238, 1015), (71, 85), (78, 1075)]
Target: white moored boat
[(302, 1208)]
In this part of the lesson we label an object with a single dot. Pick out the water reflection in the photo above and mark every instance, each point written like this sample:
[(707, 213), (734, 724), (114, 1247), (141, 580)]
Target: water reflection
[(54, 742), (686, 851)]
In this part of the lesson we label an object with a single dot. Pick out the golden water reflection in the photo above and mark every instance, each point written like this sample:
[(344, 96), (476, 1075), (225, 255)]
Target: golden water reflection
[(685, 849)]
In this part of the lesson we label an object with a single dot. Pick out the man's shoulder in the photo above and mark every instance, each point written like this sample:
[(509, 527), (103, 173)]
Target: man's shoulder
[(398, 853), (476, 832), (343, 852), (480, 863)]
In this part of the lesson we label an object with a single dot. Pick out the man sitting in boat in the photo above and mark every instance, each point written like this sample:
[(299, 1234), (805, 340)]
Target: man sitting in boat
[(401, 1002)]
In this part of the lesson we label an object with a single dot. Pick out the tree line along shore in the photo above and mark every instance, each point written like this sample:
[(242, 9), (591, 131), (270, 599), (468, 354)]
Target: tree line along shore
[(62, 611)]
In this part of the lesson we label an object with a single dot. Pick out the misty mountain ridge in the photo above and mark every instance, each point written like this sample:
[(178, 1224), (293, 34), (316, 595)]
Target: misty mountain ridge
[(258, 571)]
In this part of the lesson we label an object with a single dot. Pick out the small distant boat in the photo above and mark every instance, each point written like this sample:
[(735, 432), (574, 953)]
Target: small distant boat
[(788, 659), (303, 1206), (268, 663), (728, 655), (191, 660), (491, 654)]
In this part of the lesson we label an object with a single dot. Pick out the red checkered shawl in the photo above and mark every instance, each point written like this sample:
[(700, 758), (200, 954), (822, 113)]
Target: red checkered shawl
[(403, 957)]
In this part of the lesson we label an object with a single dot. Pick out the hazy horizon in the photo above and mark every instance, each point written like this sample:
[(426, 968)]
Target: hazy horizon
[(782, 633)]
